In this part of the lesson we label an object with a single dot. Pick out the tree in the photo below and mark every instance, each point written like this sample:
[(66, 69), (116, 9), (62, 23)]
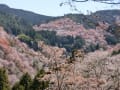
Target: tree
[(39, 84), (112, 40), (32, 43), (4, 83), (17, 86), (25, 81), (78, 43), (25, 38)]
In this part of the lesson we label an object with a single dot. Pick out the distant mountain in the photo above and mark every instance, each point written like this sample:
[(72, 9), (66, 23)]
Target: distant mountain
[(108, 16), (26, 15), (99, 18), (90, 21), (99, 29), (15, 25)]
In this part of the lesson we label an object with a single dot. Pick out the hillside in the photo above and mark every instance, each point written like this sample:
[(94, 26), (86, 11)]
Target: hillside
[(94, 38), (75, 51), (30, 17), (109, 16), (90, 21), (18, 58), (15, 25), (94, 70), (98, 30)]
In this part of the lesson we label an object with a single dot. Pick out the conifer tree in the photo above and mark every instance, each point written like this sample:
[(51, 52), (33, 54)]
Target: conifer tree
[(4, 83), (26, 81), (39, 84), (17, 86)]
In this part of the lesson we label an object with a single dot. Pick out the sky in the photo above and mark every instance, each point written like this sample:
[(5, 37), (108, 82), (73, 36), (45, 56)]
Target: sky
[(52, 8)]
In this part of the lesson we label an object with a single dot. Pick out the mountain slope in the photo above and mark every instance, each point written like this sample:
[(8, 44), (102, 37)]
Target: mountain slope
[(94, 70), (109, 16), (90, 21), (15, 25), (26, 15), (67, 27), (98, 30), (17, 58)]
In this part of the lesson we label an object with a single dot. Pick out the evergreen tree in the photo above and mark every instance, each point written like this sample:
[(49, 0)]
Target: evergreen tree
[(39, 84), (4, 83), (25, 81), (17, 86)]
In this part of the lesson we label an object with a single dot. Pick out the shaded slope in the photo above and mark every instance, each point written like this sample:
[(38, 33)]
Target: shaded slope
[(15, 25), (26, 15)]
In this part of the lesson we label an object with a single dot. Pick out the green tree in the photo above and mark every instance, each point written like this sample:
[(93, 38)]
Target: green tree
[(32, 43), (25, 38), (112, 40), (17, 86), (4, 83), (26, 81), (78, 42), (39, 84)]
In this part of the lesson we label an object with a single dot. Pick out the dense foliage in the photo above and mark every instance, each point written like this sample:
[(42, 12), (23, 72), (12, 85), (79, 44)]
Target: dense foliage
[(111, 40), (87, 20), (115, 30), (32, 43), (15, 25), (91, 20), (23, 29), (26, 83), (68, 42), (17, 86), (4, 83), (39, 84)]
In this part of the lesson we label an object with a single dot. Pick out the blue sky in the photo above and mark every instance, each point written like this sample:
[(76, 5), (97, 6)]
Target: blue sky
[(52, 8)]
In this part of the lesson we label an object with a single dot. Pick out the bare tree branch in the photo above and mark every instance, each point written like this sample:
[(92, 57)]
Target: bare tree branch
[(79, 0), (111, 3), (114, 2)]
